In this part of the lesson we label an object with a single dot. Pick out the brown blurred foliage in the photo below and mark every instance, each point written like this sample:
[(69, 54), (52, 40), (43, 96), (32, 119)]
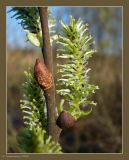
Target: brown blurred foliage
[(99, 132)]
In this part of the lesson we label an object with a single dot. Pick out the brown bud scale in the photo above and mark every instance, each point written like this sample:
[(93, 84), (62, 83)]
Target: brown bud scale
[(65, 120), (43, 75)]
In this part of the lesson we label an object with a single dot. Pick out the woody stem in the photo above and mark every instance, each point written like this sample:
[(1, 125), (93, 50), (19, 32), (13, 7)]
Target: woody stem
[(48, 60)]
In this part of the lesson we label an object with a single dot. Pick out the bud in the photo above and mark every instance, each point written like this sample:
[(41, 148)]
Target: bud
[(65, 120), (42, 75)]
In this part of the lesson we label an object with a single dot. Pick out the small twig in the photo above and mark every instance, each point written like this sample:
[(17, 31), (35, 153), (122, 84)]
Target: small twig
[(53, 130)]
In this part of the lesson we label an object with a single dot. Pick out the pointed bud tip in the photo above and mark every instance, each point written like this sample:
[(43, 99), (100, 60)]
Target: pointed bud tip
[(38, 60), (38, 64)]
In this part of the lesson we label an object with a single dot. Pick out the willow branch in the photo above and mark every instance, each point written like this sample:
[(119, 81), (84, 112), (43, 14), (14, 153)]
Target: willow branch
[(48, 60)]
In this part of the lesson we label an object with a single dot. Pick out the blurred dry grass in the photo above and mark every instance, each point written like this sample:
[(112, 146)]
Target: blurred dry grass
[(100, 132)]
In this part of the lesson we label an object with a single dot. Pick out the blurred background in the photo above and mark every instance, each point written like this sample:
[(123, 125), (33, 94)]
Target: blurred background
[(101, 132)]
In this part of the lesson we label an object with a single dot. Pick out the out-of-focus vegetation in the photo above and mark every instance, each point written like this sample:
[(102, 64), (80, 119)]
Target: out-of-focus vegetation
[(101, 131)]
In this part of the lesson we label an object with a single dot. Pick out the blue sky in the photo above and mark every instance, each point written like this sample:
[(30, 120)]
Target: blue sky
[(15, 34)]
